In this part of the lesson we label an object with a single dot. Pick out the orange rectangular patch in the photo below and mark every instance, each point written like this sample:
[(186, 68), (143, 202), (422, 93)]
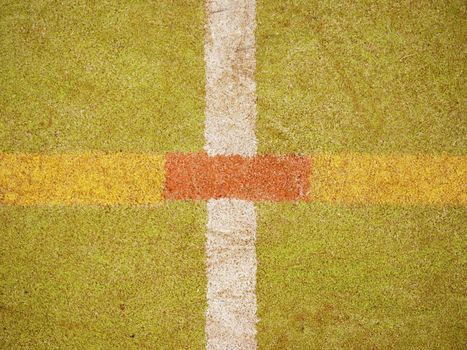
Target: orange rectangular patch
[(266, 177)]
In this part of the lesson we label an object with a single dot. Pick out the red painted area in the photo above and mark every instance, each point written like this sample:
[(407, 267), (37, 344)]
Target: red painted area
[(263, 178)]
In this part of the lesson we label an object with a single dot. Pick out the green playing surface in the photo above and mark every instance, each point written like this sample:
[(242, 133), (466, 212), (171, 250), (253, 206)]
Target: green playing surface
[(368, 76), (102, 278), (101, 75)]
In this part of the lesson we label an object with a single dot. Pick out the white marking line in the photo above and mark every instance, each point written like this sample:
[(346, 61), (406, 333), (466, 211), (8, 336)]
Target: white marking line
[(231, 265), (230, 77), (230, 129)]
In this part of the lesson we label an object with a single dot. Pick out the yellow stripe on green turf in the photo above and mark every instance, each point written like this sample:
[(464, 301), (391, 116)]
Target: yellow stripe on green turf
[(91, 178), (402, 179)]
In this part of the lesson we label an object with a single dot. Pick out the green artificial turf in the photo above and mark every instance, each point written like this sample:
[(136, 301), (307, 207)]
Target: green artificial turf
[(369, 277), (101, 75), (368, 76), (373, 77), (102, 278), (104, 76)]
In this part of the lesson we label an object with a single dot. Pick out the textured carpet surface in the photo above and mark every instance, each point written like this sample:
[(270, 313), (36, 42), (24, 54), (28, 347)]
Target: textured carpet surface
[(361, 277), (102, 278), (79, 79), (101, 75), (381, 85), (367, 76), (103, 183)]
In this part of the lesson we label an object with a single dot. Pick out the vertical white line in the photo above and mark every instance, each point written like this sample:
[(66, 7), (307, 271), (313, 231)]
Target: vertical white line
[(230, 77), (231, 268), (230, 129)]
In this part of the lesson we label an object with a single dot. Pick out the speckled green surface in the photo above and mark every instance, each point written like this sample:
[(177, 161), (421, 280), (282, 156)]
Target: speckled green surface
[(104, 76), (102, 278), (333, 76), (361, 277), (368, 76), (101, 75)]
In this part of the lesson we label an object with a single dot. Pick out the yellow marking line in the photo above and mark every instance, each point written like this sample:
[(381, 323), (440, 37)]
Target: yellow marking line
[(126, 178), (90, 178), (392, 179)]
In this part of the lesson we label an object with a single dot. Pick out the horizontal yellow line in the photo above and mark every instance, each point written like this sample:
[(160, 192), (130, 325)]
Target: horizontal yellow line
[(109, 179), (91, 178), (397, 179)]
